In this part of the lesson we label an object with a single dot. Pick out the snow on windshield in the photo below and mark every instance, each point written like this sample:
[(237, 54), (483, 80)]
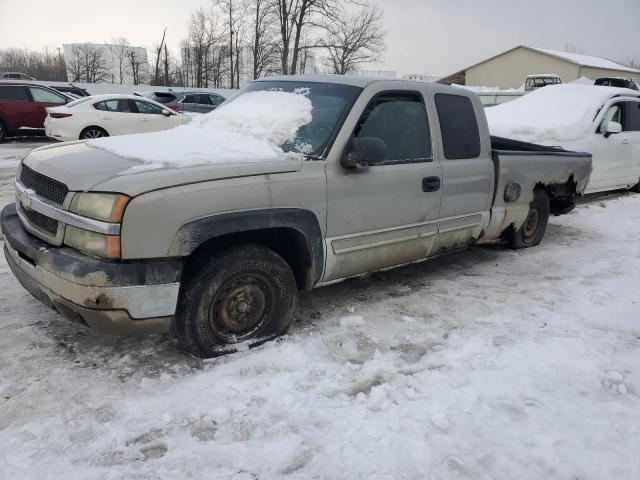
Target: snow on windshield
[(552, 114), (251, 128)]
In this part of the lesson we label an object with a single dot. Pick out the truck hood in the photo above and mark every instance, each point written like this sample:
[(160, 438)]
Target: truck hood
[(83, 168)]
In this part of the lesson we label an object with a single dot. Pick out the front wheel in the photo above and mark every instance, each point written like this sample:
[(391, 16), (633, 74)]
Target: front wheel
[(241, 297), (3, 132), (534, 227)]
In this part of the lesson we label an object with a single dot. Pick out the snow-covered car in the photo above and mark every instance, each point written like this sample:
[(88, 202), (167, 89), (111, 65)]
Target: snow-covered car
[(109, 115), (603, 121), (297, 182)]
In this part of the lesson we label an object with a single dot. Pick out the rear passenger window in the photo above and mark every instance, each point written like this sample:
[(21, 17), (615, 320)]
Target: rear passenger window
[(114, 105), (400, 121), (631, 117), (459, 126), (13, 93)]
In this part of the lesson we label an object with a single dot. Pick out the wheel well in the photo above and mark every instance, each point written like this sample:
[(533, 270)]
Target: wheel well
[(561, 195), (289, 243)]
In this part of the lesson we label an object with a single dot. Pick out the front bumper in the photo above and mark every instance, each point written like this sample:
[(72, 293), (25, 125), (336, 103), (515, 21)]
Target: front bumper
[(125, 297)]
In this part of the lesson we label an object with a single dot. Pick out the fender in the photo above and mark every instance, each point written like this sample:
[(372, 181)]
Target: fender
[(193, 234)]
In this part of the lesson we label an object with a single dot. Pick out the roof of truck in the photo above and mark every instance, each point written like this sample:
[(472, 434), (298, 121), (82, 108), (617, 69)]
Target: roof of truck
[(354, 80), (363, 82)]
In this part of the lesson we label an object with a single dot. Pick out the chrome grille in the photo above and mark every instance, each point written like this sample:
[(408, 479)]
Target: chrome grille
[(44, 187), (41, 221)]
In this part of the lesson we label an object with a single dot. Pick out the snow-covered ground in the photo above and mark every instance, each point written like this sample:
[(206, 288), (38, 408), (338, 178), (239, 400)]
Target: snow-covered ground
[(488, 364)]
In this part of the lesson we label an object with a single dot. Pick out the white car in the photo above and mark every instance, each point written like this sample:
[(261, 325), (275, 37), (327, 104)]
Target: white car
[(603, 121), (108, 115)]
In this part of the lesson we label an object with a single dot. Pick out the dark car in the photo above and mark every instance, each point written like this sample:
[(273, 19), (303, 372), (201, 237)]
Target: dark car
[(200, 102), (72, 89), (22, 108), (616, 82), (187, 100)]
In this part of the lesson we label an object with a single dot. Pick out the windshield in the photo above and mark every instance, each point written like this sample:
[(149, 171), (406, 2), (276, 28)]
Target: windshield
[(331, 103)]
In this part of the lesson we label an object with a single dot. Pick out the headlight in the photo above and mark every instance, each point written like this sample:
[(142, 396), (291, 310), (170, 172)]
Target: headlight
[(107, 207), (106, 246)]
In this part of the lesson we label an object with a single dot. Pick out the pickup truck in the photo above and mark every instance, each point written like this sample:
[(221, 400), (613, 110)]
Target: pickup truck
[(397, 172)]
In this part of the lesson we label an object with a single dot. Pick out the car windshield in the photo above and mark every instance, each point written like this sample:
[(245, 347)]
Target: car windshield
[(331, 103)]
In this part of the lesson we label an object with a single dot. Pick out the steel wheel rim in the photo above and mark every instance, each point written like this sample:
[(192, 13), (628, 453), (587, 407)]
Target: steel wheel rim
[(240, 307), (93, 133), (531, 224)]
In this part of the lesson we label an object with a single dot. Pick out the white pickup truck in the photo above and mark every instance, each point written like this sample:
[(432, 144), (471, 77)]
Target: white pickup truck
[(391, 172)]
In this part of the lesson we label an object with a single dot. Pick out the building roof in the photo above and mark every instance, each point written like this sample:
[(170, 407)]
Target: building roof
[(585, 60), (575, 58)]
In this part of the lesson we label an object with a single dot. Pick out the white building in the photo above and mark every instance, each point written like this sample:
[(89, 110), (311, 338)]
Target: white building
[(80, 57)]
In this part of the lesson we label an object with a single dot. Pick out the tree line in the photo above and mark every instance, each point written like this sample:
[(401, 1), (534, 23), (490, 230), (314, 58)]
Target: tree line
[(225, 44)]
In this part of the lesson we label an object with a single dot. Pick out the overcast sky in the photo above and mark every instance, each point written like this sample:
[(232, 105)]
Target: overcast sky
[(424, 36)]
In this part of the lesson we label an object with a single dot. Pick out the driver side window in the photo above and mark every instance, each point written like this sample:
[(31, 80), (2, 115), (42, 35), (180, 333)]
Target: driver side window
[(400, 121)]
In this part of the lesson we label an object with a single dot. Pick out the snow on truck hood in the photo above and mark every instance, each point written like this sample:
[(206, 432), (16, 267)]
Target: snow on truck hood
[(551, 115), (249, 129)]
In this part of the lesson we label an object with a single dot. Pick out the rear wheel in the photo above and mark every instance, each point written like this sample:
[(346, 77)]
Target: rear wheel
[(93, 132), (534, 227), (239, 298)]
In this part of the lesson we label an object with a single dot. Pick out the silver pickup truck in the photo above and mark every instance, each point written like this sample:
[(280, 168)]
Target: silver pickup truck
[(398, 172)]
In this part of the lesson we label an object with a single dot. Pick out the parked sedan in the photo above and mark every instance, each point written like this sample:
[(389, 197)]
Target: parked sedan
[(187, 100), (108, 115), (22, 108), (199, 102)]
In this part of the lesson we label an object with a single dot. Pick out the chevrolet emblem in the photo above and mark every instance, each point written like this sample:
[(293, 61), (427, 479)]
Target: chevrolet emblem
[(25, 197)]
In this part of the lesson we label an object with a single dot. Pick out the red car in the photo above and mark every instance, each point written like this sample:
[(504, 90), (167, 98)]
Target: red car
[(22, 108)]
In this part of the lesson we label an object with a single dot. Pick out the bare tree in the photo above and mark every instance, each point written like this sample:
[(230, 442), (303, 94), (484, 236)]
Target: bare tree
[(45, 65), (234, 13), (295, 18), (158, 55), (355, 39), (571, 47), (203, 56), (120, 48), (88, 63), (264, 49), (135, 63)]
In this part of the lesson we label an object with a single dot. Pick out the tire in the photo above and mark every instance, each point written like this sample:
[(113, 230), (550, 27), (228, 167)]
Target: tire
[(635, 188), (239, 298), (534, 227), (3, 132), (93, 132)]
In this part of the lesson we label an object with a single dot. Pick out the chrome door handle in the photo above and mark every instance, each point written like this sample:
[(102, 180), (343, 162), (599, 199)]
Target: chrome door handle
[(625, 142)]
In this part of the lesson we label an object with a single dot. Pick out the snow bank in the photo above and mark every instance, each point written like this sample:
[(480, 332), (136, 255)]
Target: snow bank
[(557, 113), (251, 128)]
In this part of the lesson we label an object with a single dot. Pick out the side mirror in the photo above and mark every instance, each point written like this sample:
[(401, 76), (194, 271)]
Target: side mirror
[(612, 128), (166, 113), (364, 152)]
